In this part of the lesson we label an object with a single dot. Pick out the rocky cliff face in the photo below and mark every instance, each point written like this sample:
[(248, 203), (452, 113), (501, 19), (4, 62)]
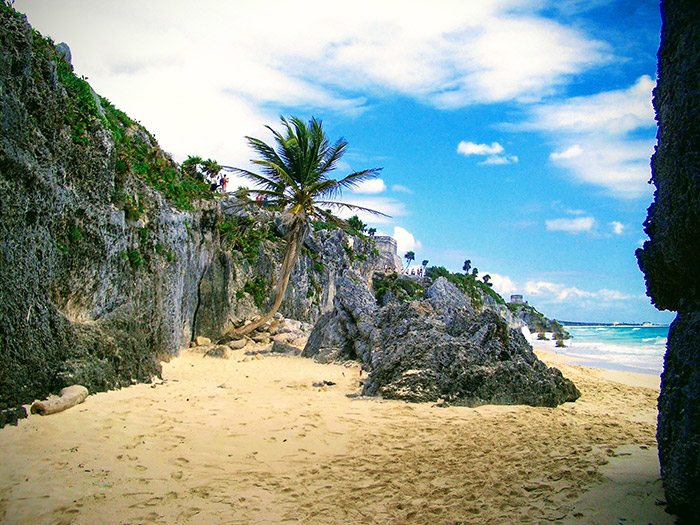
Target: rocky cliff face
[(111, 257), (435, 348), (237, 284), (671, 258)]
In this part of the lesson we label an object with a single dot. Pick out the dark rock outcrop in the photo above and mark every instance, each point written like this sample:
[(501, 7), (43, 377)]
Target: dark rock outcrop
[(73, 309), (106, 266), (224, 293), (348, 331), (437, 348), (670, 260)]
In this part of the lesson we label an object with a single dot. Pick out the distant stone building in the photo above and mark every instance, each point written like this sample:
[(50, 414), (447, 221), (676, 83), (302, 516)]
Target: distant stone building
[(517, 299), (388, 252)]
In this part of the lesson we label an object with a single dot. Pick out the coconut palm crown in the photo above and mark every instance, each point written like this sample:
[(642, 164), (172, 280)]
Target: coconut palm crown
[(294, 178)]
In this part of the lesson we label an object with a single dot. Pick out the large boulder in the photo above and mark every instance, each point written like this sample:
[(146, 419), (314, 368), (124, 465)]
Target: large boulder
[(438, 348)]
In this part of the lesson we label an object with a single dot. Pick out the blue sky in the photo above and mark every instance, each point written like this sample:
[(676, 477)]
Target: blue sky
[(513, 133)]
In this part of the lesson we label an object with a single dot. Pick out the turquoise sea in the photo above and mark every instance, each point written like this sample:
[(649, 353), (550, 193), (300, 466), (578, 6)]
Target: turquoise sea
[(627, 348)]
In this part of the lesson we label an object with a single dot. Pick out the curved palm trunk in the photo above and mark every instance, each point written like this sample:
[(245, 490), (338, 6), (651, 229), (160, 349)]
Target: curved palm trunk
[(291, 254)]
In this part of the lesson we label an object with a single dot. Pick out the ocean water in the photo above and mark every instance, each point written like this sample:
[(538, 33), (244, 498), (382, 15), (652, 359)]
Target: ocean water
[(627, 348)]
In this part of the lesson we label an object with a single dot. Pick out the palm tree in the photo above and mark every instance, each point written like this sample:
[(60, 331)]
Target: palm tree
[(294, 179), (409, 256)]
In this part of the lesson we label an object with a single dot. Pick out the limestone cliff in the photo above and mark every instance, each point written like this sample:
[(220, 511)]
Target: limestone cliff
[(111, 257), (438, 347), (671, 258)]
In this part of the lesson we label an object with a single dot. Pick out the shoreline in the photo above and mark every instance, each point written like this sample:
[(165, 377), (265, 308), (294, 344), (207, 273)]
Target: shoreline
[(610, 367), (250, 439)]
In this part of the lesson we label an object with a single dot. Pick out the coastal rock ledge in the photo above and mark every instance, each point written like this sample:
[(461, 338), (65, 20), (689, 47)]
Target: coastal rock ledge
[(438, 348)]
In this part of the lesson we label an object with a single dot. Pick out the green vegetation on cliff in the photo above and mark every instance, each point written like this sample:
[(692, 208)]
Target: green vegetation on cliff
[(468, 283), (137, 151), (537, 322), (403, 289), (245, 234)]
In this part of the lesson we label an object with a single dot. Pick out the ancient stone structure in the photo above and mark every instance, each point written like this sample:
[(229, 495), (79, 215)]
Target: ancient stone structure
[(387, 248), (671, 258), (517, 299)]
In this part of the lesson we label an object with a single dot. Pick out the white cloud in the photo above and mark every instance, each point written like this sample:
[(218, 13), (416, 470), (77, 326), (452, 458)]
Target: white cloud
[(617, 227), (405, 241), (503, 285), (470, 148), (573, 151), (611, 112), (602, 127), (401, 189), (546, 292), (559, 206), (493, 152), (559, 293), (370, 186), (577, 225), (495, 160), (301, 54)]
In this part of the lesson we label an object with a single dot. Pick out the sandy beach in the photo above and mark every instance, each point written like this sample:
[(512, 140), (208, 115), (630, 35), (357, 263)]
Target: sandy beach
[(275, 439)]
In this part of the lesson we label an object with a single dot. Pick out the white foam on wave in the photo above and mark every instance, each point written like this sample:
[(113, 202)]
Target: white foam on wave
[(611, 345)]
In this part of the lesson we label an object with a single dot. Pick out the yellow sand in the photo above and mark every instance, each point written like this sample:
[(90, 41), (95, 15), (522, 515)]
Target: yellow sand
[(253, 441)]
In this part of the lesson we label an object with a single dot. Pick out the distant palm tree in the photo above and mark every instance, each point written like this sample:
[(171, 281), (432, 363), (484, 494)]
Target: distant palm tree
[(410, 256), (294, 179), (466, 266)]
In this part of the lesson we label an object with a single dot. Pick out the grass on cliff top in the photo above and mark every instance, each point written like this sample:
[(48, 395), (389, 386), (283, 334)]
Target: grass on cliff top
[(137, 151)]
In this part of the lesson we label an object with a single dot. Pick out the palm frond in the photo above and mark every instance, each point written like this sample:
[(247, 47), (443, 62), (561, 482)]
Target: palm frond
[(331, 157), (295, 172), (256, 177), (348, 183), (347, 206)]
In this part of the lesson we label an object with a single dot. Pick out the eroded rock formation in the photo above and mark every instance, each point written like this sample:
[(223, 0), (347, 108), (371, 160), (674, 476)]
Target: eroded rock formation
[(670, 260), (435, 348)]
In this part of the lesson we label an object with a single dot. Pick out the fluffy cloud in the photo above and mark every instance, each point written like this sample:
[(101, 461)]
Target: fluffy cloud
[(496, 160), (617, 227), (503, 285), (573, 151), (596, 137), (405, 241), (611, 112), (370, 186), (577, 225), (492, 151), (559, 293), (444, 53), (401, 189), (470, 148), (548, 292)]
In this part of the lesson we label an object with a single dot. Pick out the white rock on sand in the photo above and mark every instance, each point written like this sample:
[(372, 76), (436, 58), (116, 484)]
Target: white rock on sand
[(254, 441)]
